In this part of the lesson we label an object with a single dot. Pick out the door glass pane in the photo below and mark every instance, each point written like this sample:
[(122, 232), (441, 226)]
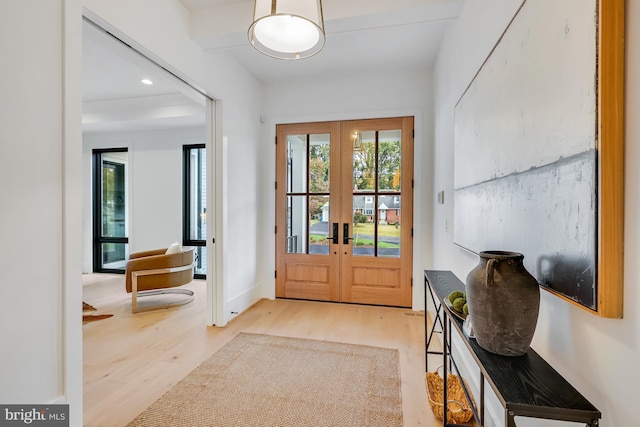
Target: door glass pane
[(296, 224), (389, 226), (319, 166), (296, 163), (319, 223), (377, 163), (389, 160), (308, 185), (364, 161), (363, 225)]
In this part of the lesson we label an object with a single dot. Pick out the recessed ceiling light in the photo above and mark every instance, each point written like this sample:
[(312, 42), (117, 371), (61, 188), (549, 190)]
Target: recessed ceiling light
[(146, 81)]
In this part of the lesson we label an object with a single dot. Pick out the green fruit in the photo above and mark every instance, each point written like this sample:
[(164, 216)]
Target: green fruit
[(455, 295), (459, 303), (465, 308)]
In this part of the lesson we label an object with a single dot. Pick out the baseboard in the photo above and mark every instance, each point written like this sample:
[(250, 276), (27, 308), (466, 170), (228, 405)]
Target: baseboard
[(62, 400), (243, 301)]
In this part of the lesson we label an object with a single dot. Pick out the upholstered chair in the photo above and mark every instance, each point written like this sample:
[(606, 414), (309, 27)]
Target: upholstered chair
[(157, 272)]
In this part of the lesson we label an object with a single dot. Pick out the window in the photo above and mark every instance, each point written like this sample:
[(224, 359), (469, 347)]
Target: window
[(110, 215), (194, 218)]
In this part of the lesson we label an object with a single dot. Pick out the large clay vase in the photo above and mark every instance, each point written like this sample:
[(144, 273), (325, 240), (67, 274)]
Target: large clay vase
[(503, 300)]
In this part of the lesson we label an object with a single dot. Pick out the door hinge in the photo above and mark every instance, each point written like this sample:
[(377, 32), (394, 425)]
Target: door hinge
[(411, 231), (413, 133), (276, 138), (275, 275), (412, 282), (275, 230), (276, 185), (412, 182), (213, 240)]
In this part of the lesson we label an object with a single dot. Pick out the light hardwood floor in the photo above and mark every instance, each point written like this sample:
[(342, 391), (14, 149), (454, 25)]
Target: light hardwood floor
[(132, 360)]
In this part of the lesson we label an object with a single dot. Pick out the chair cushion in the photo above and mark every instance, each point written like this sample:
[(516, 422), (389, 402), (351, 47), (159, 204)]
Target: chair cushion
[(174, 248)]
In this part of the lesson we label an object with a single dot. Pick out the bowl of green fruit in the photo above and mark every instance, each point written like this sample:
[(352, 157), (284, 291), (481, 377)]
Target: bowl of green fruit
[(456, 301)]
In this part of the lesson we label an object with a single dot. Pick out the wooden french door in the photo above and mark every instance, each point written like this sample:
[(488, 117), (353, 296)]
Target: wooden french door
[(344, 211)]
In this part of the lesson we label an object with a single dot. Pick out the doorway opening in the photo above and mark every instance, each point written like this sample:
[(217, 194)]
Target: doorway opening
[(133, 100)]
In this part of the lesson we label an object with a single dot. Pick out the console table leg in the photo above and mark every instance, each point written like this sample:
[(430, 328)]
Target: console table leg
[(510, 419), (481, 399), (436, 320)]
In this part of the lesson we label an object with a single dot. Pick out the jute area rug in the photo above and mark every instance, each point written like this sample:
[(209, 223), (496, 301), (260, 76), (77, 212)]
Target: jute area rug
[(263, 380)]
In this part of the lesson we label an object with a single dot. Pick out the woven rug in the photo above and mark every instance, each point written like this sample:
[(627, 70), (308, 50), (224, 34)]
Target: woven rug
[(262, 380)]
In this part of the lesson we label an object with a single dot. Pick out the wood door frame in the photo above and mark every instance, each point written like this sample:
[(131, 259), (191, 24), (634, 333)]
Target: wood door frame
[(407, 243)]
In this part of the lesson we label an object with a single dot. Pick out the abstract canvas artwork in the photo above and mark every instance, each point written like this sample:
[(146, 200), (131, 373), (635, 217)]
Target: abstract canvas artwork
[(526, 175)]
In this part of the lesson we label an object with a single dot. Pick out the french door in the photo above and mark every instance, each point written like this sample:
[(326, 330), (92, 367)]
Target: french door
[(344, 211)]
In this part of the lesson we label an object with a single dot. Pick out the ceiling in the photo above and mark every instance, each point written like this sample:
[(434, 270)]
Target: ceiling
[(114, 97), (361, 36)]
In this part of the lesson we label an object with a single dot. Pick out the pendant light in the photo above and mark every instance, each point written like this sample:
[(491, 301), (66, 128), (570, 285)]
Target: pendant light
[(287, 29)]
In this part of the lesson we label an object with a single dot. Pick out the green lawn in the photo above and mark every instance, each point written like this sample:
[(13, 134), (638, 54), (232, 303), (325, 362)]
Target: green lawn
[(383, 230), (321, 239), (369, 242)]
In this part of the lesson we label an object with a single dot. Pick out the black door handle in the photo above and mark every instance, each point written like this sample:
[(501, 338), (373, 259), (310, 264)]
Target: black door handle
[(345, 234), (334, 238)]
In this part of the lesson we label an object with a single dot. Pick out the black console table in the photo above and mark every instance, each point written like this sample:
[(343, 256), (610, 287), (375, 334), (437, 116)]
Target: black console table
[(526, 386)]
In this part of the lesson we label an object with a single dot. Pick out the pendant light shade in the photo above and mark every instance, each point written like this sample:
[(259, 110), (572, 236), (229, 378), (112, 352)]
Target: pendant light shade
[(287, 29)]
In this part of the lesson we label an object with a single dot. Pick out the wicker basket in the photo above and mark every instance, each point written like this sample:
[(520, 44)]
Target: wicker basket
[(458, 407)]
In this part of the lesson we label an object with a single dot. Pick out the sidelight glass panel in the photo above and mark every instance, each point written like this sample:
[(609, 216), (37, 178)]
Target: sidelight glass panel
[(389, 160), (297, 224)]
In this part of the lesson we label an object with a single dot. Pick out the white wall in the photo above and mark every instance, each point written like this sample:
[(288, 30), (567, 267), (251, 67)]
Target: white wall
[(367, 95), (31, 210), (154, 188), (41, 179), (598, 356)]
